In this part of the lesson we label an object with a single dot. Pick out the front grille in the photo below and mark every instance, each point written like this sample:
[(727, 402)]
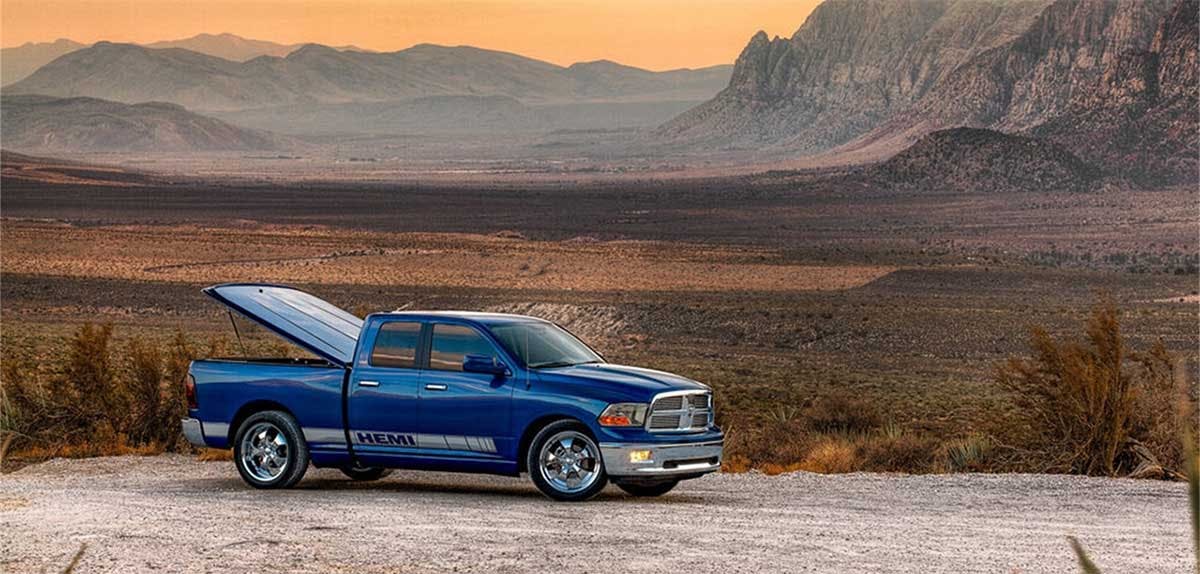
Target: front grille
[(669, 403), (681, 412), (664, 422)]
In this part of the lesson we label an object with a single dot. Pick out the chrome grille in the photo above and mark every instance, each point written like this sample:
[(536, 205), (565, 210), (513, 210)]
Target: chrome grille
[(664, 422), (681, 411), (669, 403)]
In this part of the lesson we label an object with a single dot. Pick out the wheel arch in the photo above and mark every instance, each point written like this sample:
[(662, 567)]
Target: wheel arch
[(537, 425), (251, 408)]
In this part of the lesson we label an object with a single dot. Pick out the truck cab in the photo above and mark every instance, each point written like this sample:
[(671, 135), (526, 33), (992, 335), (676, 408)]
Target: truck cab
[(449, 391)]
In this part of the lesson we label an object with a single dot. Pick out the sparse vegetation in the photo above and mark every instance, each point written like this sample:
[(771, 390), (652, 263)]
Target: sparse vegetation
[(1084, 406), (99, 400)]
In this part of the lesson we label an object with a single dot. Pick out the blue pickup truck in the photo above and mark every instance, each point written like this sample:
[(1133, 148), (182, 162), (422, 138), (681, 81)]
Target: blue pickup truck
[(448, 391)]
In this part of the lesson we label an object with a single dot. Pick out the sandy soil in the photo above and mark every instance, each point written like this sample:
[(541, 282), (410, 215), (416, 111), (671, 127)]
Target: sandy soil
[(317, 254), (172, 514)]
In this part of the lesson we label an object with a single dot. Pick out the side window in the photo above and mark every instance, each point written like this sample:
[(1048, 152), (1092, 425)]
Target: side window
[(396, 345), (452, 343)]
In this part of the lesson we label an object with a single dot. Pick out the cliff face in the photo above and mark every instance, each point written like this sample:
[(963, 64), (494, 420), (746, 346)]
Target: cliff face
[(1140, 119), (1113, 81), (847, 69), (1059, 61)]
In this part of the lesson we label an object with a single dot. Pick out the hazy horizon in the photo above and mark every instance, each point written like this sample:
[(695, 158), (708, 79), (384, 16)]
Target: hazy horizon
[(655, 35)]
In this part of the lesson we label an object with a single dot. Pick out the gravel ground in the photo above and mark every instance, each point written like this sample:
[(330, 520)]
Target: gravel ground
[(173, 514)]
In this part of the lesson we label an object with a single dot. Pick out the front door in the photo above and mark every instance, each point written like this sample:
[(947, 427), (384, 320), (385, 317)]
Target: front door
[(464, 414), (383, 394)]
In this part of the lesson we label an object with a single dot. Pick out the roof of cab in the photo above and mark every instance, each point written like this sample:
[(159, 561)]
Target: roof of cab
[(474, 316)]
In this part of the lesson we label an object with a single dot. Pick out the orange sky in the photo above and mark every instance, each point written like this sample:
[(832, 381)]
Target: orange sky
[(654, 34)]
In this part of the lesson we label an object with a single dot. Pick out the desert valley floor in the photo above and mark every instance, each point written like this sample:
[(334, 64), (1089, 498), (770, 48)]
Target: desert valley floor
[(774, 289)]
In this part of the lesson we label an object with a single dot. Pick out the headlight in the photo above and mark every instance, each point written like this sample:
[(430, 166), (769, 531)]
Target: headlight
[(624, 415)]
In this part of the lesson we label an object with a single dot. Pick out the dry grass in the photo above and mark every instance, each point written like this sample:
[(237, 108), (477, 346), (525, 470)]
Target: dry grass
[(214, 455), (99, 400), (1085, 404)]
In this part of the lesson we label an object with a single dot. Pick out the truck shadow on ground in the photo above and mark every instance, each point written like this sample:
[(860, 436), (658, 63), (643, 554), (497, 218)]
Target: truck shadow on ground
[(512, 489)]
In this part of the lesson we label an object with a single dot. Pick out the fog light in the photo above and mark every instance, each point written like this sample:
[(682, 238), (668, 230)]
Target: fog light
[(639, 456)]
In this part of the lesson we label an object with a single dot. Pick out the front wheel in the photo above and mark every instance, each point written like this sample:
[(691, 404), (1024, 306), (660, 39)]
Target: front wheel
[(269, 450), (565, 462), (647, 489)]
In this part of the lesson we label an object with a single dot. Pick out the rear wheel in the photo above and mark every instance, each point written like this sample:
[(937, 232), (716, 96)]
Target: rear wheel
[(565, 462), (648, 489), (365, 473), (269, 450)]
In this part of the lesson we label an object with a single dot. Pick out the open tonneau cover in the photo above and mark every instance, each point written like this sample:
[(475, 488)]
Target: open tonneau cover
[(313, 323)]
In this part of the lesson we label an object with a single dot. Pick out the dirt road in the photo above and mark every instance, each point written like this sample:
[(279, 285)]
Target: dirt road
[(173, 514)]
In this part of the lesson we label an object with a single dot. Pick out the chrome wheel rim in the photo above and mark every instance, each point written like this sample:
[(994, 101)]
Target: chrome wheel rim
[(265, 452), (570, 462)]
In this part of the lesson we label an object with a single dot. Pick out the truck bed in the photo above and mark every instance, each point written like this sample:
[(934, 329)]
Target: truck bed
[(309, 389)]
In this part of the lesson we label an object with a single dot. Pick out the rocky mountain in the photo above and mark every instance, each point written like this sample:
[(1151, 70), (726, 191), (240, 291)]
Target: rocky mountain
[(851, 66), (1141, 119), (1057, 63), (315, 74), (18, 62), (1113, 81), (42, 124), (981, 160)]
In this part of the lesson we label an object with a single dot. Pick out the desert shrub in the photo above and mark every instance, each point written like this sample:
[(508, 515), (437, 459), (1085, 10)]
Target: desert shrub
[(898, 451), (1163, 410), (971, 454), (102, 402), (832, 455), (145, 390), (842, 413), (1081, 401), (92, 396)]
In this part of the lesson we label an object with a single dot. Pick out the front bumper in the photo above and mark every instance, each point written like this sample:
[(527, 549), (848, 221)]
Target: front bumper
[(192, 432), (665, 459)]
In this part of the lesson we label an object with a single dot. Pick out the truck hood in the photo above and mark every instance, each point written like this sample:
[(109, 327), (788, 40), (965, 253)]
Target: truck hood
[(647, 381)]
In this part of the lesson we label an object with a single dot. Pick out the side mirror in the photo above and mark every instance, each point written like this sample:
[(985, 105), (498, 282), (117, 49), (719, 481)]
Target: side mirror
[(484, 364)]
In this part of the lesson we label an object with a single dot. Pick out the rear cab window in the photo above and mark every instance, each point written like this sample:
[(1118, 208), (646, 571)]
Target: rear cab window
[(396, 345)]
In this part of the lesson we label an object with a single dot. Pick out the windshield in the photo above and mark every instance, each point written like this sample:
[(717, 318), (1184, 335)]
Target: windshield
[(543, 345)]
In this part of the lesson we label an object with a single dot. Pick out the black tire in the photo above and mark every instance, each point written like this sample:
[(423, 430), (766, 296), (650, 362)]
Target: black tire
[(534, 464), (365, 473), (292, 451), (647, 489)]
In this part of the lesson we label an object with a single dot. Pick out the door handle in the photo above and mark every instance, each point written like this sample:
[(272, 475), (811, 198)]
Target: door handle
[(368, 383), (435, 387)]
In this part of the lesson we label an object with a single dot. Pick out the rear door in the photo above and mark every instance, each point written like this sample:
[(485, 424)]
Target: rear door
[(464, 414), (384, 390)]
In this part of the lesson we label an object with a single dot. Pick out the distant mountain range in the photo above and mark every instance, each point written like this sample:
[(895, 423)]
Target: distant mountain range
[(1113, 81), (315, 74), (45, 124), (18, 62)]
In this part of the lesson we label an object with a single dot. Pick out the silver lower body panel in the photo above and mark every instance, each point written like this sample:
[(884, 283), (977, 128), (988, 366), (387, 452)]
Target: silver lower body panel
[(192, 432), (666, 460)]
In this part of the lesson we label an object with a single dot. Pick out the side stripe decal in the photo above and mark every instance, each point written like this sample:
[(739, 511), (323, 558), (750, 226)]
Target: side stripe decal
[(426, 441)]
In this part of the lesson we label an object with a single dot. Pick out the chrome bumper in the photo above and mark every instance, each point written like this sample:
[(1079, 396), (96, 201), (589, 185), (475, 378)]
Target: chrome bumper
[(192, 432), (665, 459)]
